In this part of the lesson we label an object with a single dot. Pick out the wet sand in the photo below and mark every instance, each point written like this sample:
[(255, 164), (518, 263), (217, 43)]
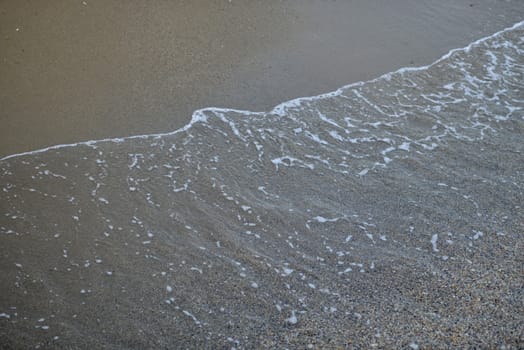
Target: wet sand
[(384, 216), (81, 70)]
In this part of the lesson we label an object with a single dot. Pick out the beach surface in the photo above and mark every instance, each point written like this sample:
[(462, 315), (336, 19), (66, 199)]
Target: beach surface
[(382, 214), (85, 70)]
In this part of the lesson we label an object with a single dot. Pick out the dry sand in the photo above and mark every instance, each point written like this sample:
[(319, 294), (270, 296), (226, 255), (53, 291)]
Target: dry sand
[(81, 70)]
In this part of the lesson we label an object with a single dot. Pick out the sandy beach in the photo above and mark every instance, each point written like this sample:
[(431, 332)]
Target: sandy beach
[(384, 214), (83, 70)]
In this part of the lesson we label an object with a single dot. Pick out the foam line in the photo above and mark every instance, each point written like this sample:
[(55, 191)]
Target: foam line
[(280, 109), (297, 101)]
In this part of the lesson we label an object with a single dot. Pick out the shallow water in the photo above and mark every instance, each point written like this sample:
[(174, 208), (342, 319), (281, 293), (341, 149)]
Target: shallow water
[(387, 212)]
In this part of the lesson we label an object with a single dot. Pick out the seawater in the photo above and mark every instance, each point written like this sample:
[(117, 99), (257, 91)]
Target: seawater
[(363, 217)]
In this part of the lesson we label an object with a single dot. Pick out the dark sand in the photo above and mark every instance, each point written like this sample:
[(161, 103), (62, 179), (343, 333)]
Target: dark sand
[(80, 70)]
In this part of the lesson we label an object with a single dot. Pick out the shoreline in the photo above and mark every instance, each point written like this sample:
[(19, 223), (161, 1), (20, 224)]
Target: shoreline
[(384, 214), (96, 70), (196, 115)]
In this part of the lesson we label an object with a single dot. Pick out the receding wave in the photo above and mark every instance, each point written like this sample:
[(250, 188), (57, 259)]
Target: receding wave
[(387, 213)]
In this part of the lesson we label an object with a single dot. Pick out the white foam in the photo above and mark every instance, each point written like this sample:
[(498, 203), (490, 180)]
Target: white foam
[(189, 314), (199, 116), (477, 235), (434, 239), (287, 271), (290, 161), (292, 319), (322, 219)]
